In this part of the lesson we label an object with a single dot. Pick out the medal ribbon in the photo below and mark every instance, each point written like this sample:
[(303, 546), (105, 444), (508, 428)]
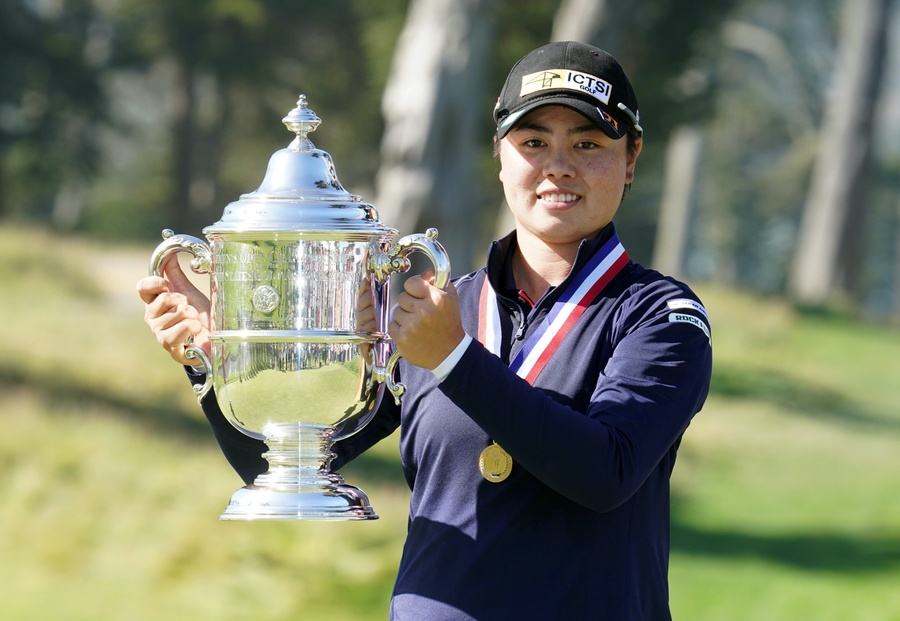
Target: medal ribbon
[(568, 308)]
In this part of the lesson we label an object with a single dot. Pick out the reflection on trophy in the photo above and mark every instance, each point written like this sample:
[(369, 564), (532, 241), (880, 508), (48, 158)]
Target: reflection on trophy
[(290, 265)]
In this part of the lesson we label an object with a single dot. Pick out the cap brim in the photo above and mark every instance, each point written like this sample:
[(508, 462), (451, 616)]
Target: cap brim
[(609, 125)]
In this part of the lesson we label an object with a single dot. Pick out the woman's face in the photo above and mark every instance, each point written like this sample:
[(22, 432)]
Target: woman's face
[(562, 176)]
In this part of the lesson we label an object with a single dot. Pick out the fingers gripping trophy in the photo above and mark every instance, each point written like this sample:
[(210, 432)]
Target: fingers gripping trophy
[(292, 361)]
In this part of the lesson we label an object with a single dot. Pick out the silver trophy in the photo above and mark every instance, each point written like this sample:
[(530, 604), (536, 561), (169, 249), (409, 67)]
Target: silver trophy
[(289, 265)]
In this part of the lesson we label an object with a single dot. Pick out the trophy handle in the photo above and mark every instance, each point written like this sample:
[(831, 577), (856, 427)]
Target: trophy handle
[(428, 245), (395, 388), (200, 264), (193, 352)]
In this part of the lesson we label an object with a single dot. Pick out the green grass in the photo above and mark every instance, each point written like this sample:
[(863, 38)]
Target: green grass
[(786, 497)]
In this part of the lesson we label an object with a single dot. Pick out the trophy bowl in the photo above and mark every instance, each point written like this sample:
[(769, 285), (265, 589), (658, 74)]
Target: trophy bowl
[(290, 266)]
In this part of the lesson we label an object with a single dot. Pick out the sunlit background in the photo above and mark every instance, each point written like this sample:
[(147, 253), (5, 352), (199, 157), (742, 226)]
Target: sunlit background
[(768, 181)]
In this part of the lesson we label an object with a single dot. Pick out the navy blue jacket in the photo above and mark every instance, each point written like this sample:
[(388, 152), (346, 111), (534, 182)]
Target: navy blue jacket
[(580, 529)]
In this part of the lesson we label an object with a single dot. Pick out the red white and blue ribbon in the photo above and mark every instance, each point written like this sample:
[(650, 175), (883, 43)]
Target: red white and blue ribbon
[(569, 307)]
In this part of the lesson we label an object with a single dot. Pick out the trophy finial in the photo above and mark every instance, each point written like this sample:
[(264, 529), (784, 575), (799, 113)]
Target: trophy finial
[(302, 121)]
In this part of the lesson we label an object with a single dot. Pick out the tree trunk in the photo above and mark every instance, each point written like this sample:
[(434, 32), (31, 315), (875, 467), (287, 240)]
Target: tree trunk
[(183, 130), (682, 163), (4, 205), (427, 173), (826, 260), (896, 289), (579, 20)]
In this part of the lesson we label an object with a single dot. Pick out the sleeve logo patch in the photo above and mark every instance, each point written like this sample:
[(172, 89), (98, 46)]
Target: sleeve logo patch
[(683, 303), (694, 321)]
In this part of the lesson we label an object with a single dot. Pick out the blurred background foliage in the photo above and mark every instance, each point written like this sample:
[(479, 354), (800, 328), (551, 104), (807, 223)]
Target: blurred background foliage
[(767, 124), (122, 117)]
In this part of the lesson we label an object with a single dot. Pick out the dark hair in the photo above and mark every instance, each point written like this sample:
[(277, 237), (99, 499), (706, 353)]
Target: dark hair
[(631, 137)]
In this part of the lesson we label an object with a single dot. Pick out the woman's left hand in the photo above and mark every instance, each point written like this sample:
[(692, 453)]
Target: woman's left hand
[(426, 325)]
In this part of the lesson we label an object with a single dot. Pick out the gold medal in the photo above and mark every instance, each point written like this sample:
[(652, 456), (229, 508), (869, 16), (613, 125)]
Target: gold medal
[(494, 463)]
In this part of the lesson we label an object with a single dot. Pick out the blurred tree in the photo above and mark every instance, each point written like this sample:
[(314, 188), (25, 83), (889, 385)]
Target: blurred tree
[(766, 78), (684, 162), (114, 115), (674, 98), (120, 117), (257, 56), (828, 258), (427, 176), (679, 194), (431, 125), (51, 56)]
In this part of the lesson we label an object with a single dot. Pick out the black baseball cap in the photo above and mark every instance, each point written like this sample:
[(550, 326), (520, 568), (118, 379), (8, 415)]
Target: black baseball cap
[(573, 74)]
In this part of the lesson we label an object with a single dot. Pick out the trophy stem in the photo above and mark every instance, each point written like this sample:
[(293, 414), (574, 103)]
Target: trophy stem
[(299, 484)]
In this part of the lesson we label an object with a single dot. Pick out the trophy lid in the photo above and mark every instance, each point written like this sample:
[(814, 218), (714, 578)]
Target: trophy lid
[(300, 194)]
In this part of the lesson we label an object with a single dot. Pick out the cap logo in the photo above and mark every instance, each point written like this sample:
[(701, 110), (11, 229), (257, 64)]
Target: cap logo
[(566, 79), (609, 120)]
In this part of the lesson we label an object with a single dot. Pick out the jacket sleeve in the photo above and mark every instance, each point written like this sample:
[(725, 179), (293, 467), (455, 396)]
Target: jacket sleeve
[(655, 380), (383, 424), (242, 452)]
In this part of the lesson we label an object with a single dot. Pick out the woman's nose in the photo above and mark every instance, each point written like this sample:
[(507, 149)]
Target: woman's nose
[(559, 163)]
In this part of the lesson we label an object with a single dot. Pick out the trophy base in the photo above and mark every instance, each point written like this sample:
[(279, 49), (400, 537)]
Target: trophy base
[(336, 503), (299, 484)]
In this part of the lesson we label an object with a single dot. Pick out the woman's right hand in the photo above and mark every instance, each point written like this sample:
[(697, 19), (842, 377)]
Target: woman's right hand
[(176, 311)]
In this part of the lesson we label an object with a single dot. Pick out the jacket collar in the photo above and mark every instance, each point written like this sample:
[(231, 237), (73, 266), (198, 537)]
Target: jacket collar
[(499, 262)]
